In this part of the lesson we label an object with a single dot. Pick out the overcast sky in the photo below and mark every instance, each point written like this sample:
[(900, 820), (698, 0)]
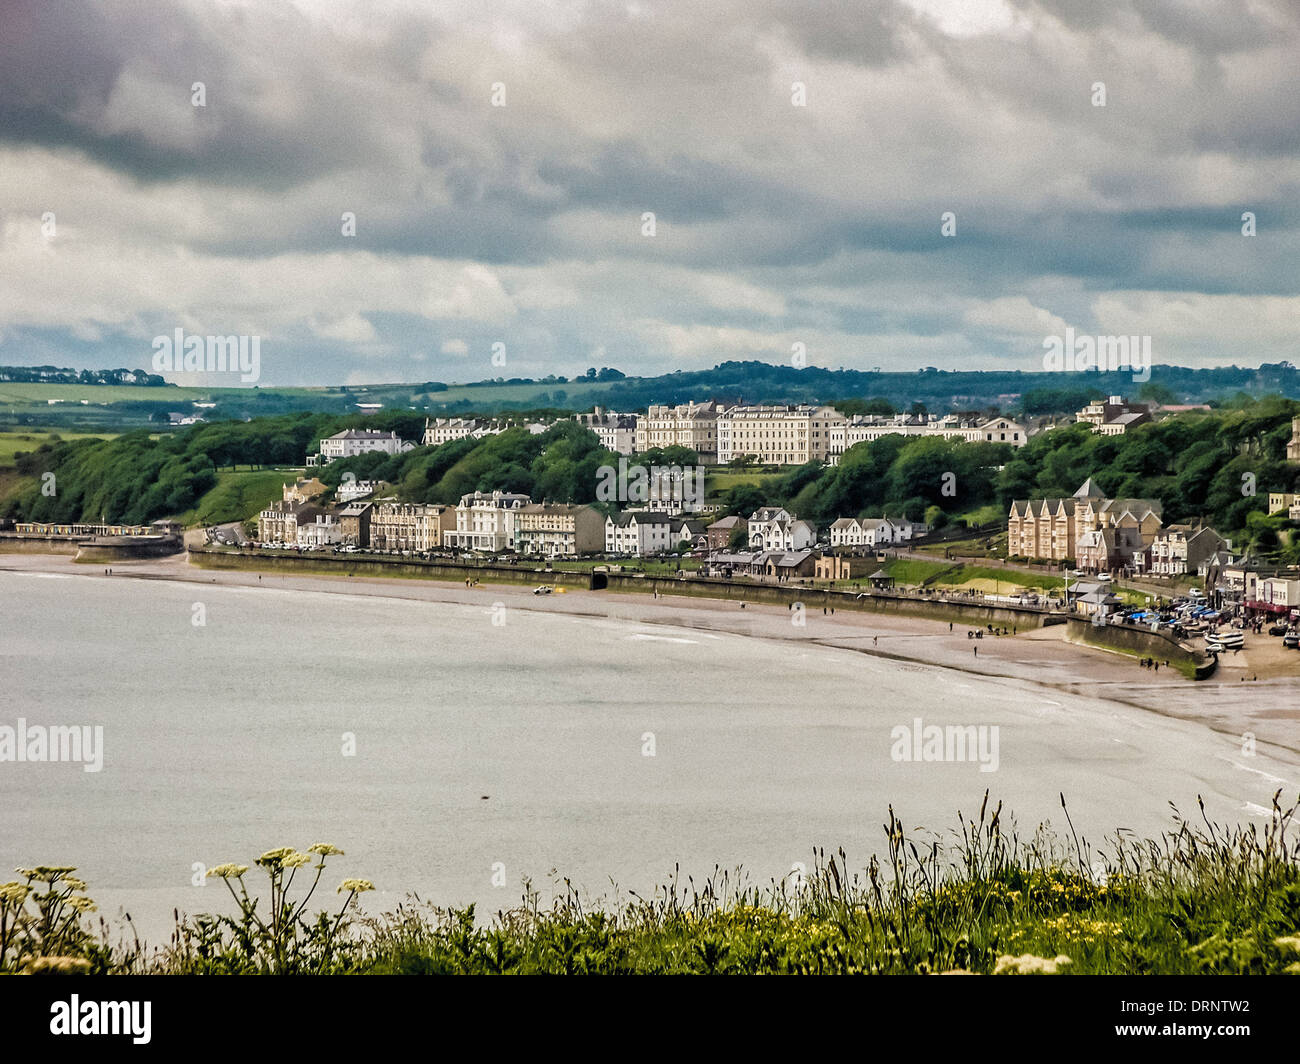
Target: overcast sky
[(775, 224)]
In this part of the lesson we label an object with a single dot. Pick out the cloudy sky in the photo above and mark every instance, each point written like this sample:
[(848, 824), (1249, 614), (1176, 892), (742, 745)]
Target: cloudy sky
[(522, 224)]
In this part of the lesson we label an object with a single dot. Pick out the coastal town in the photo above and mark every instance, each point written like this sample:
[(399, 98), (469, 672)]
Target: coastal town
[(1115, 560)]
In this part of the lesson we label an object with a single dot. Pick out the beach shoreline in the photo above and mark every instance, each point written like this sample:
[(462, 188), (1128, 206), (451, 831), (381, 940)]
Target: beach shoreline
[(1039, 656)]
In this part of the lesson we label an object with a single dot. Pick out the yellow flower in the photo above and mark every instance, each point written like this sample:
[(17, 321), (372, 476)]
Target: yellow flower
[(324, 849), (356, 886), (274, 857), (14, 893), (46, 872), (82, 904), (228, 871), (295, 860)]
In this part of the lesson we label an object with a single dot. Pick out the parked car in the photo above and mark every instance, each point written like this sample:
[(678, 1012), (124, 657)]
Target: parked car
[(1278, 629), (1291, 640), (543, 589)]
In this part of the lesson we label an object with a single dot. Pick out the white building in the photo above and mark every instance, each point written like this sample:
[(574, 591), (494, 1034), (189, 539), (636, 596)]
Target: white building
[(353, 442), (639, 532), (616, 432), (777, 435), (325, 531), (351, 489), (487, 521), (773, 528), (868, 428), (873, 531), (445, 429)]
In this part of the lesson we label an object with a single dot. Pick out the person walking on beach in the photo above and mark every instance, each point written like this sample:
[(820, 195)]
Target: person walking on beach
[(976, 650)]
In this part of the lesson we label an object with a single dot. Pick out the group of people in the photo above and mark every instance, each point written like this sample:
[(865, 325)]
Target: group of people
[(1151, 663)]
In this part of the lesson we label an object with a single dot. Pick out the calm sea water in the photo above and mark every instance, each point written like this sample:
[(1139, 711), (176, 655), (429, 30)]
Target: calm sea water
[(517, 747)]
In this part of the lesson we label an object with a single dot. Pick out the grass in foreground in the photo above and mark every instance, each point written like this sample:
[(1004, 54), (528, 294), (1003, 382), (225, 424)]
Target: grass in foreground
[(1199, 899)]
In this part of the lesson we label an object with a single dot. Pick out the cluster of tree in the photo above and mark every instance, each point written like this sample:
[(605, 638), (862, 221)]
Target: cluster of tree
[(904, 476), (753, 381), (61, 375), (132, 479)]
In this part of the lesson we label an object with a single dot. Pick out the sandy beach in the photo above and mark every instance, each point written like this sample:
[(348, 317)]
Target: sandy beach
[(1230, 703)]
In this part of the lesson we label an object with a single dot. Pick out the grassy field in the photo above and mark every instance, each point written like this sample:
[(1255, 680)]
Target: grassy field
[(1200, 899), (724, 479), (992, 579), (31, 439), (239, 495), (30, 396)]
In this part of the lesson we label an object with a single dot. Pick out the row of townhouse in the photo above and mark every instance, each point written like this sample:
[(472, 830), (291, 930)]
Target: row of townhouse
[(773, 528), (1096, 532), (646, 532), (691, 425), (857, 532), (560, 530), (442, 430), (867, 428), (491, 522), (770, 435), (779, 435), (1179, 549)]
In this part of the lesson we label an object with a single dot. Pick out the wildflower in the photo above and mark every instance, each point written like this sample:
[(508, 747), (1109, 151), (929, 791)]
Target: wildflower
[(49, 873), (14, 893), (1028, 964), (272, 858), (82, 904), (295, 860), (228, 871), (356, 886), (324, 849)]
